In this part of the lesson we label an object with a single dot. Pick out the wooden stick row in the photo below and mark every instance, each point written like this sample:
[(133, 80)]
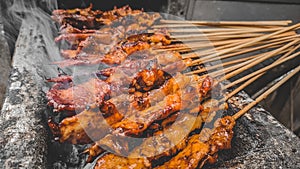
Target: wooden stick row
[(266, 93), (248, 23), (255, 76)]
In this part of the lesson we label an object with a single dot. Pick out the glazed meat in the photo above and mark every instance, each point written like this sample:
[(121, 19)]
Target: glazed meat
[(136, 123), (199, 149), (123, 104), (118, 53), (202, 150), (66, 96), (90, 19), (140, 103)]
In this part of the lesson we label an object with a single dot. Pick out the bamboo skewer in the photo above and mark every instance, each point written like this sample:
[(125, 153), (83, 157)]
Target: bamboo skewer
[(290, 51), (185, 25), (214, 54), (230, 30), (249, 23), (206, 36), (219, 45), (248, 82), (251, 42), (270, 45), (267, 56), (262, 70), (231, 62), (247, 50), (266, 93), (208, 68), (215, 37)]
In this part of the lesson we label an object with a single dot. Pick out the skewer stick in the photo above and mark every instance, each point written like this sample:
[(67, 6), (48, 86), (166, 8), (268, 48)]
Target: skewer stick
[(276, 63), (202, 36), (231, 62), (184, 25), (212, 37), (274, 45), (260, 23), (267, 56), (220, 65), (241, 87), (234, 67), (266, 93), (251, 42), (230, 69), (239, 45), (242, 51), (230, 30), (248, 82)]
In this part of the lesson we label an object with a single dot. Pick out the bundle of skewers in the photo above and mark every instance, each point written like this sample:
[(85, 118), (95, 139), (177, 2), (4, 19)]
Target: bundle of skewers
[(159, 79)]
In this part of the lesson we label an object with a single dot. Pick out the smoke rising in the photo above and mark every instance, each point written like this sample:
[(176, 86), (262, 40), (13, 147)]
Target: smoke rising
[(33, 13)]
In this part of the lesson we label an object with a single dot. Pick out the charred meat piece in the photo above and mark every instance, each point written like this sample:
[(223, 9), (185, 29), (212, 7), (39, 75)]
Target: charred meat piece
[(122, 104), (87, 126), (153, 148), (66, 96), (147, 80), (135, 124), (116, 55), (200, 151), (91, 124), (90, 19), (118, 30)]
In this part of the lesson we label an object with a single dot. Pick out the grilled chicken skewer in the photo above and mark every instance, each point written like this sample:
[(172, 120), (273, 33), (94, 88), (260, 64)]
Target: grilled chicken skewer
[(64, 95), (198, 154), (120, 52), (137, 123), (200, 150), (149, 151), (120, 103), (90, 19)]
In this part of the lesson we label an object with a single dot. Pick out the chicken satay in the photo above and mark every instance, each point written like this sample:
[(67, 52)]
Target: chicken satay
[(80, 129), (118, 81), (118, 30), (91, 124), (90, 19), (136, 123), (200, 151), (185, 98), (66, 96), (117, 54), (122, 103), (167, 143)]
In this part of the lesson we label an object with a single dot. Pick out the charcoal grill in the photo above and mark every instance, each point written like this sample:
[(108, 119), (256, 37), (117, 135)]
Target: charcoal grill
[(25, 142)]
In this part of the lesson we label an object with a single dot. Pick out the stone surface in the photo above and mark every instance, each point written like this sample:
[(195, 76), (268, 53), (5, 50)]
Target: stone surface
[(23, 141), (5, 62)]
